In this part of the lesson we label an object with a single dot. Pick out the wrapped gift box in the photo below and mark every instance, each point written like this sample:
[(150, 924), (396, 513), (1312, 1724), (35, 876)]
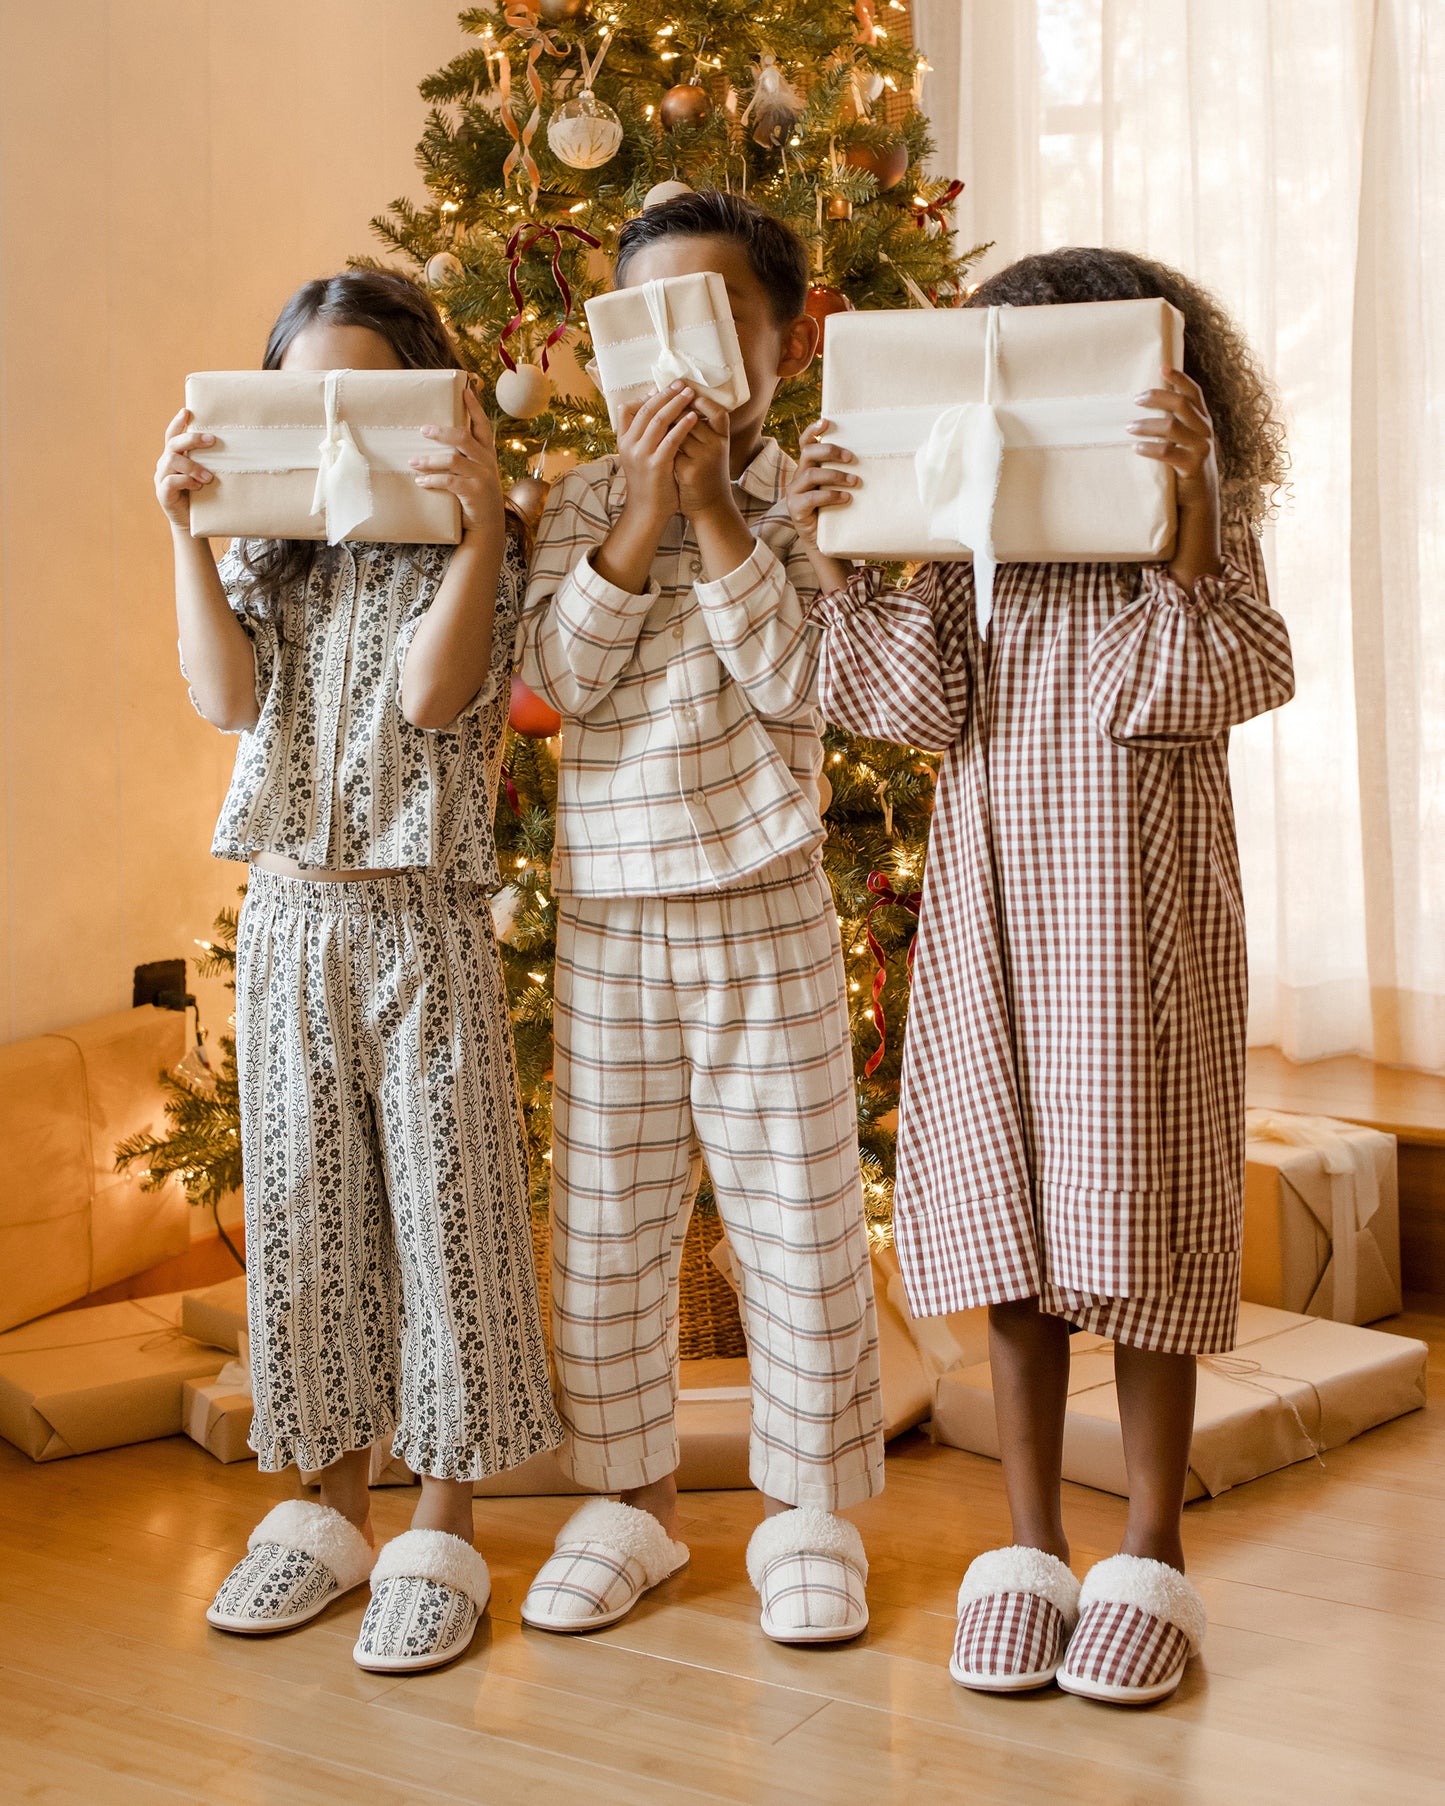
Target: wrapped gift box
[(646, 337), (69, 1223), (1293, 1386), (217, 1314), (1057, 384), (322, 454), (217, 1413), (99, 1378), (1321, 1218)]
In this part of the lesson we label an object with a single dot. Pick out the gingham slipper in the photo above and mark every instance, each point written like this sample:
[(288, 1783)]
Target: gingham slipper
[(607, 1555), (1016, 1608), (428, 1592), (810, 1570), (1139, 1623), (298, 1559)]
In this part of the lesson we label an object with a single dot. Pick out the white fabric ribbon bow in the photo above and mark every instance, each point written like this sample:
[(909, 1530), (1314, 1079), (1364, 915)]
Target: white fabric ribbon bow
[(343, 476), (958, 468), (672, 364)]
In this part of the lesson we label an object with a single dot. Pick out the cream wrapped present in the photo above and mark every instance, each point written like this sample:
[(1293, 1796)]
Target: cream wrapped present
[(1321, 1217), (98, 1378), (677, 327), (322, 454), (1000, 433), (1292, 1387), (217, 1413), (217, 1314)]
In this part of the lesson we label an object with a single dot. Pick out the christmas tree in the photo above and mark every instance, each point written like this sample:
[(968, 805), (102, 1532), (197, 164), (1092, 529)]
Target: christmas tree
[(561, 121)]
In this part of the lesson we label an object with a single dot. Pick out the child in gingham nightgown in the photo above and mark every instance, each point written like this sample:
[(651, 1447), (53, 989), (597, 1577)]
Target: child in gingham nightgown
[(390, 1282), (1070, 1145)]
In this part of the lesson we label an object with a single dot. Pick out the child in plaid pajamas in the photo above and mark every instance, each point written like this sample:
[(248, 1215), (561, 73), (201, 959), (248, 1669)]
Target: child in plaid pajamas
[(700, 999), (1070, 1145)]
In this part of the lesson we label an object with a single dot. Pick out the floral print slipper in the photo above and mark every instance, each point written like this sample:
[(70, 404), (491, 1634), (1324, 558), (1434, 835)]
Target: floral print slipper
[(298, 1559), (428, 1592), (1016, 1610), (1139, 1623)]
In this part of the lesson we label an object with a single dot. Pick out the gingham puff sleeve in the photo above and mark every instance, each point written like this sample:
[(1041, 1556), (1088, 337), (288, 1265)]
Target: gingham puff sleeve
[(758, 619), (1174, 669), (261, 629), (893, 665), (578, 631), (511, 588)]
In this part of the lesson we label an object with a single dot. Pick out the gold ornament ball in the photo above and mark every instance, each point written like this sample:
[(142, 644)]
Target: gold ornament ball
[(523, 392), (664, 191), (528, 495), (839, 207), (686, 104), (442, 268), (562, 12), (889, 165)]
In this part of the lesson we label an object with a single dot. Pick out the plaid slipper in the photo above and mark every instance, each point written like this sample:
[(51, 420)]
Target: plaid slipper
[(298, 1559), (1139, 1623), (428, 1592), (607, 1555), (1016, 1608), (810, 1571)]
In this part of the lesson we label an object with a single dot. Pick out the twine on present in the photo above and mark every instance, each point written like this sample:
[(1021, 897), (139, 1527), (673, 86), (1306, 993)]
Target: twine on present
[(529, 233), (885, 897)]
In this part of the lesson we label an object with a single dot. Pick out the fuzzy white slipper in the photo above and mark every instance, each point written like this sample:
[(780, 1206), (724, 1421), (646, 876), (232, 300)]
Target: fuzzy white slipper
[(607, 1555), (810, 1571), (428, 1592), (298, 1559), (1016, 1610), (1139, 1623)]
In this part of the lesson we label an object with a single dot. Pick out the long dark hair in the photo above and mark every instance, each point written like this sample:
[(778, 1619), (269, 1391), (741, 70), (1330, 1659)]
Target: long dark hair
[(1248, 432), (385, 303)]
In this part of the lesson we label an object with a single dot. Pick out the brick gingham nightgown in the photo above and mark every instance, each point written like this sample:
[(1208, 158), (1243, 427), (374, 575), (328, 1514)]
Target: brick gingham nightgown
[(1072, 1118)]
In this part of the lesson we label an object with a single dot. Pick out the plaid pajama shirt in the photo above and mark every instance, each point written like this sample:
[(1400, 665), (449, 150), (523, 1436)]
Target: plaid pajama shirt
[(700, 995), (1072, 1122)]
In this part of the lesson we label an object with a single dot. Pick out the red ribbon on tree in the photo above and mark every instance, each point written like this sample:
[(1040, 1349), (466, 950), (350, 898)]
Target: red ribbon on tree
[(529, 233), (923, 210), (885, 897)]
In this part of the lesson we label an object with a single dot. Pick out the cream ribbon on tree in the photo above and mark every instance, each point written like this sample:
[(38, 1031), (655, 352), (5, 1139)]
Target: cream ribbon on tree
[(343, 476)]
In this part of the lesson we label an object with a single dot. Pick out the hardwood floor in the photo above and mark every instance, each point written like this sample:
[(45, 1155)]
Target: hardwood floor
[(1322, 1681)]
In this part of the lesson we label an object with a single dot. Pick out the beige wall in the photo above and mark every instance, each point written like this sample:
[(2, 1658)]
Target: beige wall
[(168, 174)]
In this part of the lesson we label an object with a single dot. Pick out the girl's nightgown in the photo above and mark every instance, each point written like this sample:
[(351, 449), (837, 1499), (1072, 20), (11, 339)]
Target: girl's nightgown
[(1072, 1117)]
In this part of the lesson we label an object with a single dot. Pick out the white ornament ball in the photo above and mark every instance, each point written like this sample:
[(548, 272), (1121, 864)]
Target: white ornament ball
[(442, 268), (664, 191), (523, 392), (506, 907), (585, 132), (872, 85)]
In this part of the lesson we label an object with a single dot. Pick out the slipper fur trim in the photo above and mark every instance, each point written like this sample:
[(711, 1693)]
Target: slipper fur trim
[(807, 1530), (1153, 1586), (1020, 1569), (318, 1531), (626, 1531), (435, 1555)]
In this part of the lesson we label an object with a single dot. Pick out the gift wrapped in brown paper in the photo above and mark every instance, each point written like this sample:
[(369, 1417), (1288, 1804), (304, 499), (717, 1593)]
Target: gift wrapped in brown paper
[(999, 433), (322, 454), (217, 1314), (98, 1378), (1293, 1386), (217, 1414), (660, 332), (1321, 1217)]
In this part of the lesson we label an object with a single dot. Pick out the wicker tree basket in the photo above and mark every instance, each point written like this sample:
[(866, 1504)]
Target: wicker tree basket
[(709, 1326)]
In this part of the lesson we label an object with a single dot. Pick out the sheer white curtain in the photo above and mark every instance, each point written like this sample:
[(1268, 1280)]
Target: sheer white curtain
[(1291, 154)]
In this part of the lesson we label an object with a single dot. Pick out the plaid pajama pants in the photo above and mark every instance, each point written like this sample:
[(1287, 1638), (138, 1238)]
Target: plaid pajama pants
[(714, 1021), (390, 1279)]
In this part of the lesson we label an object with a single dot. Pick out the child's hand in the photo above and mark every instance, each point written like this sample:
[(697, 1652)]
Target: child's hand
[(648, 440), (1184, 440), (467, 467), (815, 485), (178, 474), (704, 477)]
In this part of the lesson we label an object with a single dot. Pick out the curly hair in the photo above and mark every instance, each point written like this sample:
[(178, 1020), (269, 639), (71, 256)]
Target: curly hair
[(1249, 434)]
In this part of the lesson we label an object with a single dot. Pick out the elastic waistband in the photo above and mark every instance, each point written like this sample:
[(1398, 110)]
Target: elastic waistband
[(361, 896)]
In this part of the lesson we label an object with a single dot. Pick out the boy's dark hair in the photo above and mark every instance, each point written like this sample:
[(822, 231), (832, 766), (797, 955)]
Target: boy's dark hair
[(775, 253), (1248, 432)]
